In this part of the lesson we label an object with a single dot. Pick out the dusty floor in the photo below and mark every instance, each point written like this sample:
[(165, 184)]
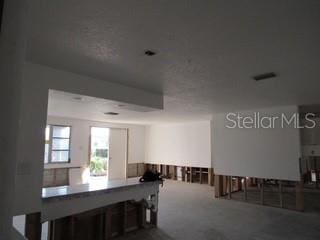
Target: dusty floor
[(188, 211)]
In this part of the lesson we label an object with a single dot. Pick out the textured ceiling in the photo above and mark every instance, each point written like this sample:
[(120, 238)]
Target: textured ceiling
[(207, 51), (70, 105)]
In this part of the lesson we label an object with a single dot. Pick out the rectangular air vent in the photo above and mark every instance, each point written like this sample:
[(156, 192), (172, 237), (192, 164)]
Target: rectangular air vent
[(264, 76)]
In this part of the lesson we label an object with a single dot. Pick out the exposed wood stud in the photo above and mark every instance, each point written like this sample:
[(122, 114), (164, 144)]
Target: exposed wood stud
[(175, 175), (210, 177), (225, 185), (124, 218), (229, 187), (261, 191), (239, 184), (142, 215), (245, 189), (280, 194), (108, 220), (183, 173), (299, 196), (316, 171), (218, 189), (33, 226)]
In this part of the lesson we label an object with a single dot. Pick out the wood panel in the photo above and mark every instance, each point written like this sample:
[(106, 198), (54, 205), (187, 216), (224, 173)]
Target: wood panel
[(102, 223), (218, 190), (61, 229), (55, 177), (270, 192), (188, 174), (299, 196), (33, 226)]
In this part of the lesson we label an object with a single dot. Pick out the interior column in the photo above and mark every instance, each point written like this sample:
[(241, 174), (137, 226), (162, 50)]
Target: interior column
[(13, 38)]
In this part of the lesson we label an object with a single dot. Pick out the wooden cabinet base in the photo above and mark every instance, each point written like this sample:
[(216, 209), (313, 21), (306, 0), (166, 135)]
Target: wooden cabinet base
[(33, 226), (101, 224)]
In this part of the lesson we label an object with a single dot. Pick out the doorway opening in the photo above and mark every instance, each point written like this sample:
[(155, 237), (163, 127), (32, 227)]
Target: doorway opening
[(99, 152)]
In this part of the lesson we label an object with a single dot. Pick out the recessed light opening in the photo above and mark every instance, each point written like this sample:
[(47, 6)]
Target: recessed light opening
[(264, 76), (149, 52), (78, 98), (111, 113)]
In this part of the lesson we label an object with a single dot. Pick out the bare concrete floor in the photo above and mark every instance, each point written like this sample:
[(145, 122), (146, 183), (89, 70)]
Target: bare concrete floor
[(189, 211)]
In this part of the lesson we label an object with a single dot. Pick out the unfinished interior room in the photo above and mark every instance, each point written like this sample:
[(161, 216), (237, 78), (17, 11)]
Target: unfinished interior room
[(160, 120)]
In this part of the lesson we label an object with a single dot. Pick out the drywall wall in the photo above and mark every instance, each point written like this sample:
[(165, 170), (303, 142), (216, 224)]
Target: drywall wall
[(311, 136), (13, 40), (80, 135), (80, 141), (37, 81), (79, 84), (29, 172), (257, 152), (187, 144)]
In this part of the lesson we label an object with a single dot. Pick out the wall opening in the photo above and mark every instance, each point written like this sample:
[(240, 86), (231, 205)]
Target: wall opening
[(99, 152)]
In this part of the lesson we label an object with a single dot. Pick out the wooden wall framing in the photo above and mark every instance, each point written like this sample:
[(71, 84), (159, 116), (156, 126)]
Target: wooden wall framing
[(188, 174), (99, 224), (226, 186)]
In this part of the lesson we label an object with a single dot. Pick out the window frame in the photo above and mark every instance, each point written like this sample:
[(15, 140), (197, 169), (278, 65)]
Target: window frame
[(50, 142)]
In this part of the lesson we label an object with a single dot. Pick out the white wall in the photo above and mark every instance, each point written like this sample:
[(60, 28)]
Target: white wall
[(55, 79), (36, 83), (263, 153), (13, 40), (80, 135), (187, 144), (80, 144), (310, 136), (117, 168)]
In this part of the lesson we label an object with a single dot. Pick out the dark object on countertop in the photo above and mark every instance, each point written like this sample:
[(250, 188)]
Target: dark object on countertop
[(151, 176)]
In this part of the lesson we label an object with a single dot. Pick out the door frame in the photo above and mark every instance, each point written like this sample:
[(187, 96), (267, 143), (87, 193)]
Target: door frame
[(127, 146)]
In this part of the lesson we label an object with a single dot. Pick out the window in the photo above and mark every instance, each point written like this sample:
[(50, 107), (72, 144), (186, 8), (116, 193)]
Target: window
[(57, 146)]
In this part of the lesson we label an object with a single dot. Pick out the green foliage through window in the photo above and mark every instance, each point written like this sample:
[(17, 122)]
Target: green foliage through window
[(98, 166), (101, 153)]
